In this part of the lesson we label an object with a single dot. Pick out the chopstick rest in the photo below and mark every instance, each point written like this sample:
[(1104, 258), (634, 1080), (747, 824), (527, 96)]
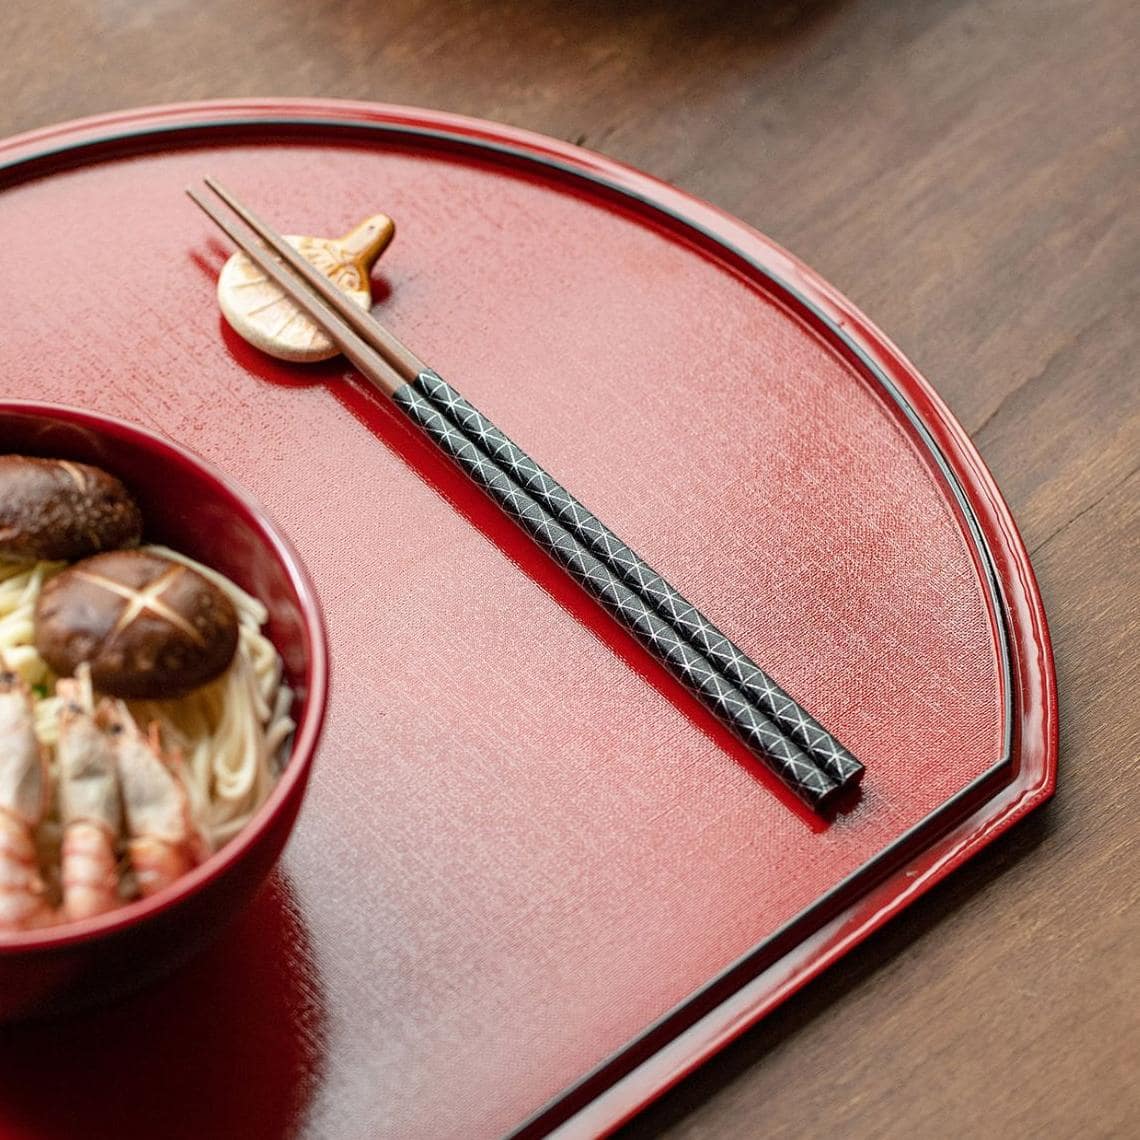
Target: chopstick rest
[(261, 312)]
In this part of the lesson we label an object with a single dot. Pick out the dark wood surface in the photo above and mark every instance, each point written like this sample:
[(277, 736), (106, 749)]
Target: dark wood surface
[(966, 171)]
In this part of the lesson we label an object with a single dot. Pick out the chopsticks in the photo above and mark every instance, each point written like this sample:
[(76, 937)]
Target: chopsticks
[(673, 631)]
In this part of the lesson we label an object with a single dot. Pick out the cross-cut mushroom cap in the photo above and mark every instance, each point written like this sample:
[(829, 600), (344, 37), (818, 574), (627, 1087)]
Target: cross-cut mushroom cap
[(148, 627)]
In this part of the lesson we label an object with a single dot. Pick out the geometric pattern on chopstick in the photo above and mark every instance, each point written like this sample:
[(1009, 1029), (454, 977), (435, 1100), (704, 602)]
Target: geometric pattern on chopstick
[(663, 641), (773, 701)]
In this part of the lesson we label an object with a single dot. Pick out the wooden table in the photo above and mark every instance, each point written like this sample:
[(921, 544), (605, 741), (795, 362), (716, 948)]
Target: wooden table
[(967, 173)]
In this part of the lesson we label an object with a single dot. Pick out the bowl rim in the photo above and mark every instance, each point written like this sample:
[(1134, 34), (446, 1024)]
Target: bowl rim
[(308, 731)]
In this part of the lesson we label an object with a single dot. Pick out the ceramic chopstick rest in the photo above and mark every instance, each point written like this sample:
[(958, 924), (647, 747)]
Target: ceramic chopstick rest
[(260, 312)]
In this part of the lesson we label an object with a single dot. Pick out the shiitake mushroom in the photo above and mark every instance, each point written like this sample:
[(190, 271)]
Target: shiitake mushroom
[(58, 509), (148, 627)]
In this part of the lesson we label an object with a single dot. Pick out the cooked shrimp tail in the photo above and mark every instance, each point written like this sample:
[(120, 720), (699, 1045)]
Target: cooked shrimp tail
[(23, 797), (89, 806), (164, 843), (89, 870)]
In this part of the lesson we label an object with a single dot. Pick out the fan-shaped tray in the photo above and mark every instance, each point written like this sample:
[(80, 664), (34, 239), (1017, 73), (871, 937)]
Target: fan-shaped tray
[(534, 882)]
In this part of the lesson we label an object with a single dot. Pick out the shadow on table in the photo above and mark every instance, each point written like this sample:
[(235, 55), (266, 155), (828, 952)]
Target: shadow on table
[(766, 19), (756, 19), (837, 983), (231, 1045)]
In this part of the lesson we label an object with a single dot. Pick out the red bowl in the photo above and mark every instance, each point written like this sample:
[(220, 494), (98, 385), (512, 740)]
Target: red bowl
[(189, 505)]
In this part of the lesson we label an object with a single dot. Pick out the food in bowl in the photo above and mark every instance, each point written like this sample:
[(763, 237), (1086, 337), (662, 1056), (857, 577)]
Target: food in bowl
[(57, 508), (143, 712)]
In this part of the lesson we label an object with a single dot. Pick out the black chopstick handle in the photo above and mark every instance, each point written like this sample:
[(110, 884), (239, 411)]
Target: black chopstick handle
[(694, 627), (780, 753)]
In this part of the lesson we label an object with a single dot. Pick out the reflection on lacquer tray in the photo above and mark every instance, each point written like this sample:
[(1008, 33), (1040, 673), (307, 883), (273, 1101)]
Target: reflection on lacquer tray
[(230, 1045)]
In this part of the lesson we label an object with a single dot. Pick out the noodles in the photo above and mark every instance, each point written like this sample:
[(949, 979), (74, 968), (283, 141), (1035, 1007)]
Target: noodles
[(230, 733)]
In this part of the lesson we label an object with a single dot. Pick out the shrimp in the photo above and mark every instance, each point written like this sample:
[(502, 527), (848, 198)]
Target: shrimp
[(89, 805), (164, 843), (23, 800)]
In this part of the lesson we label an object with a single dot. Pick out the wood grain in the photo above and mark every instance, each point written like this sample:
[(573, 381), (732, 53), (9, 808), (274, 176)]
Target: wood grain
[(966, 171)]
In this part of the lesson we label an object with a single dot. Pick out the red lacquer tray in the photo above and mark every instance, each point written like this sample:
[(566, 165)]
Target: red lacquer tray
[(534, 883)]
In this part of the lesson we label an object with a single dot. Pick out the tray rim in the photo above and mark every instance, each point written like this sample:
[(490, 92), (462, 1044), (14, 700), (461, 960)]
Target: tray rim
[(638, 1072)]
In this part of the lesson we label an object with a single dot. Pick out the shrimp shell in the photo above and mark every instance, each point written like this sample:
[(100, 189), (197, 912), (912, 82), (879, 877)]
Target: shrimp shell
[(90, 871), (164, 844), (23, 796), (89, 806)]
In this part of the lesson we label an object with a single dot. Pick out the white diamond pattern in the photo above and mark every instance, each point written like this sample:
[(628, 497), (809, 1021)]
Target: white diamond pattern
[(786, 713), (430, 400)]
